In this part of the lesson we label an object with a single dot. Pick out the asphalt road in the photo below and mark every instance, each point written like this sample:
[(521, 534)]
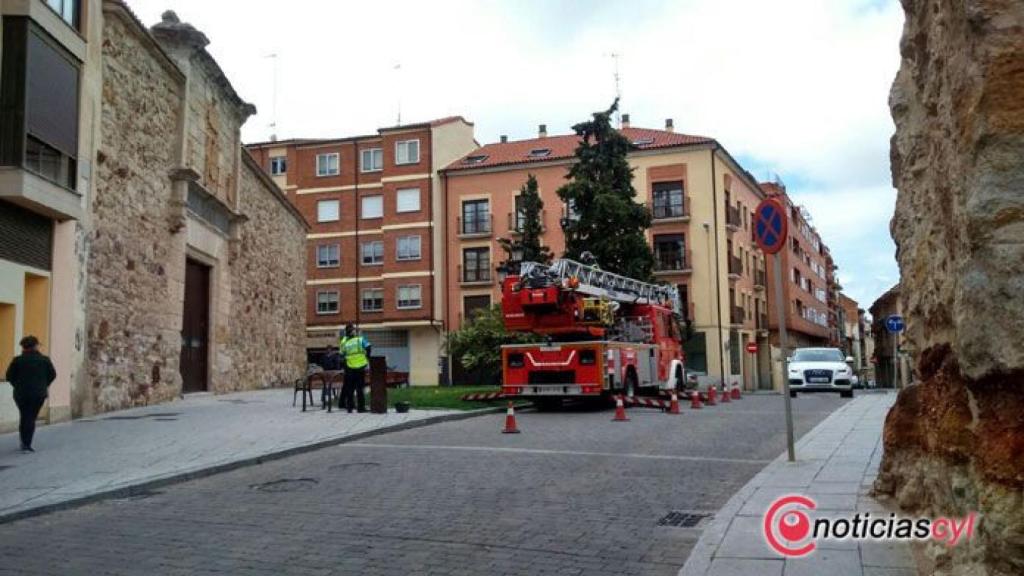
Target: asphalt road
[(574, 493)]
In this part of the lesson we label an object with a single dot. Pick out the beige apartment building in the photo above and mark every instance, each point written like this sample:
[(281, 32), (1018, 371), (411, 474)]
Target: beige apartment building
[(374, 207), (702, 201)]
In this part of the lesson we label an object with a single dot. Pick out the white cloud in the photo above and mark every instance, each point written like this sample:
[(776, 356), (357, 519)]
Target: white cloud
[(799, 86)]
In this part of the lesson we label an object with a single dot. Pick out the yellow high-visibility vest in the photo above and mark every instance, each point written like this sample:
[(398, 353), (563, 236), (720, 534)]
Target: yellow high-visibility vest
[(354, 349)]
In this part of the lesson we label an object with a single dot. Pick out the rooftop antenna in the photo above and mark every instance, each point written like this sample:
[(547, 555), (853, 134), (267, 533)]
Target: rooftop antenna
[(273, 105), (398, 90), (618, 89)]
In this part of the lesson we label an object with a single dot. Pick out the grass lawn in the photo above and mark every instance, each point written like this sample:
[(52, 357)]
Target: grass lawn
[(441, 397)]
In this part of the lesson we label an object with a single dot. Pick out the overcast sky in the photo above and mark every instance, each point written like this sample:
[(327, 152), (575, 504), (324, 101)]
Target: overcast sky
[(796, 88)]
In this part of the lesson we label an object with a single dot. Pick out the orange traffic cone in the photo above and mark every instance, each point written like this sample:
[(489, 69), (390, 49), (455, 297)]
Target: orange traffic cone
[(712, 393), (736, 393), (725, 395), (510, 421), (673, 406), (620, 411), (695, 400)]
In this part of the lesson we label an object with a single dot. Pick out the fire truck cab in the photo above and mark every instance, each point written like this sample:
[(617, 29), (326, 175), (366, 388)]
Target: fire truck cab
[(604, 334)]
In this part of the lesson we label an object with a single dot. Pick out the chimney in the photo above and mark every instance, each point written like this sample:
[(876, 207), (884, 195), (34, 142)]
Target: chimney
[(625, 120), (668, 125), (542, 131), (504, 139)]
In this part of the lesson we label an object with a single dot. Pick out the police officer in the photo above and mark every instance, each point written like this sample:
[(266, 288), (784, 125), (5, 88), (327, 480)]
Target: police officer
[(356, 351), (31, 375)]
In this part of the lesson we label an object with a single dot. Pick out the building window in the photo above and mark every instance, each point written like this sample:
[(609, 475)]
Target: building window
[(39, 113), (668, 200), (571, 213), (470, 305), (67, 9), (371, 160), (327, 302), (278, 165), (407, 152), (373, 252), (670, 252), (372, 207), (328, 164), (684, 300), (407, 200), (476, 217), (408, 248), (373, 300), (328, 210), (328, 256), (476, 265), (410, 296)]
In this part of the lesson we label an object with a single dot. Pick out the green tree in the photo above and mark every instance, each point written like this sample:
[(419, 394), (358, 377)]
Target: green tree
[(477, 345), (607, 220), (527, 248)]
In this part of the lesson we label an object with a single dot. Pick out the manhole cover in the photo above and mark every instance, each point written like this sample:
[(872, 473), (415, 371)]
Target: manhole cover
[(286, 485), (683, 519), (349, 465)]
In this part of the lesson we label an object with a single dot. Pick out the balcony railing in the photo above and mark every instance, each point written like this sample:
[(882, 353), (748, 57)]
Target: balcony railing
[(759, 279), (732, 217), (737, 315), (669, 263), (762, 322), (474, 275), (735, 267), (476, 228), (670, 211), (515, 222)]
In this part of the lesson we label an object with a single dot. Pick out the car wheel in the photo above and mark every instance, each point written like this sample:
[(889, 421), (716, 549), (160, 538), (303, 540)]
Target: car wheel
[(792, 393)]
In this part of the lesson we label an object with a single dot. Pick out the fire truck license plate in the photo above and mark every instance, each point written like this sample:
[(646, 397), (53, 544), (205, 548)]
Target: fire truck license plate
[(554, 390)]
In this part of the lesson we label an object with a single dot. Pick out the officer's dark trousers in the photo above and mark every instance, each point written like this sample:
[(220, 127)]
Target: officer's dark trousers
[(355, 380), (28, 408)]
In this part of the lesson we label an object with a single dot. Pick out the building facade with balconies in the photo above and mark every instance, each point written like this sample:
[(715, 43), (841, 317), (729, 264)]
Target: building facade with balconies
[(373, 204), (702, 204)]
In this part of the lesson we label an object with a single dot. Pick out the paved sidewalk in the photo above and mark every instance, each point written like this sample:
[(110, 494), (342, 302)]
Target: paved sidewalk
[(837, 463), (203, 433)]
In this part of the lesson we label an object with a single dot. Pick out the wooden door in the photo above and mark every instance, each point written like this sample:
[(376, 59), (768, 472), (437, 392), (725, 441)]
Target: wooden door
[(195, 327)]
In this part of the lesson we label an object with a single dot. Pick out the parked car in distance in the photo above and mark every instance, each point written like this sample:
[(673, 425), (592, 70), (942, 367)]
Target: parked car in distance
[(820, 370)]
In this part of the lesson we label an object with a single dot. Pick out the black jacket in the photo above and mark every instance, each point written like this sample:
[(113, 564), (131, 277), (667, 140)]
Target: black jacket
[(31, 375), (331, 361)]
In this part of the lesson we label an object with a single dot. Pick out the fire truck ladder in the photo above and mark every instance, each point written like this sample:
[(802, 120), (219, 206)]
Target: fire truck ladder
[(596, 282)]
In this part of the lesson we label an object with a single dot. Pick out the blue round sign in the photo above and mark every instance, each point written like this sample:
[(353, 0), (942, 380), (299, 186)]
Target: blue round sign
[(770, 225), (894, 323)]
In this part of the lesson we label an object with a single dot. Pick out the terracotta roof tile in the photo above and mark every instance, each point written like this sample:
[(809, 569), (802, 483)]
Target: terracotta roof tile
[(563, 147)]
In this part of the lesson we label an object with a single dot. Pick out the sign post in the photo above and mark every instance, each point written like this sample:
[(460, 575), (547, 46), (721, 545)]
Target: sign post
[(894, 324), (770, 229)]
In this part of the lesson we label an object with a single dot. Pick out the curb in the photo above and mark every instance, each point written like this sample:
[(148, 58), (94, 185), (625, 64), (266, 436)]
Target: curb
[(148, 485)]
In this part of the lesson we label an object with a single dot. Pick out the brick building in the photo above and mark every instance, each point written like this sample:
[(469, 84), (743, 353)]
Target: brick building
[(171, 263), (702, 201), (373, 204)]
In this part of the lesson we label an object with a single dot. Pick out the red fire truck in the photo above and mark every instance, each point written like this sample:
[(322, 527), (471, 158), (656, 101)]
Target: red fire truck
[(604, 333)]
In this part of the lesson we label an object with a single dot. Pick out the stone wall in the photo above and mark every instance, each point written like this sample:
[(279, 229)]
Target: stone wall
[(268, 286), (954, 441), (133, 307)]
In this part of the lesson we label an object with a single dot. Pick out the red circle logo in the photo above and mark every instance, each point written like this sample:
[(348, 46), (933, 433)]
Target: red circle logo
[(787, 528)]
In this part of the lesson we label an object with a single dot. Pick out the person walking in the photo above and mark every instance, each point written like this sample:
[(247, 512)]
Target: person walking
[(356, 351), (31, 374)]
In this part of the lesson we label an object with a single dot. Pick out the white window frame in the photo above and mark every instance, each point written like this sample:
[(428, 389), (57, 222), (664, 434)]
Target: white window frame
[(337, 302), (375, 154), (274, 165), (419, 248), (328, 156), (337, 211), (337, 260), (362, 253), (362, 300), (362, 207), (407, 306), (398, 146), (409, 192)]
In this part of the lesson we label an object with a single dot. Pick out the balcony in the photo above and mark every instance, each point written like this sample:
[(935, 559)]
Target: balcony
[(515, 225), (479, 228), (733, 221), (474, 276), (671, 213), (735, 267), (737, 315), (672, 263), (759, 279), (762, 321)]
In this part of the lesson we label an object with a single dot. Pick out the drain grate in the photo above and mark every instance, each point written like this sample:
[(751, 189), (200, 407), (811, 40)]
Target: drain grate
[(684, 519), (140, 495), (286, 485)]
